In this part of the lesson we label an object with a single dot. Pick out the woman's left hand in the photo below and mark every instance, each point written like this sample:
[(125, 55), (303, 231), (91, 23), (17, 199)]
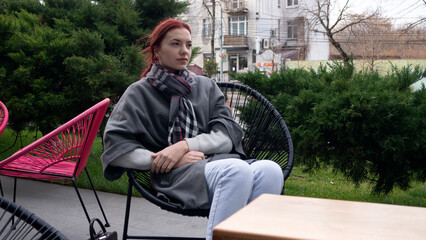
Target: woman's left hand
[(165, 159), (190, 157)]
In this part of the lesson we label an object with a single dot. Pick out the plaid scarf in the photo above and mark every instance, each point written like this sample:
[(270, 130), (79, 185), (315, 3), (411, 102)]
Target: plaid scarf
[(182, 120)]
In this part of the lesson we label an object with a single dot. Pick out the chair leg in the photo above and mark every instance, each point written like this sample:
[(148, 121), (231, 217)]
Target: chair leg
[(126, 222), (127, 215), (81, 200), (97, 198), (15, 180), (1, 189)]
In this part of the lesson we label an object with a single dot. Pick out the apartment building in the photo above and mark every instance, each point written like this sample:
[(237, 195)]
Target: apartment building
[(261, 34)]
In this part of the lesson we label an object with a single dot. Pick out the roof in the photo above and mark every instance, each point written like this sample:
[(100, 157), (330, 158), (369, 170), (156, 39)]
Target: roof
[(195, 69)]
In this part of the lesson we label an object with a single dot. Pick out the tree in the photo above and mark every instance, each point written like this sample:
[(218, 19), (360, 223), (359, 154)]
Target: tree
[(195, 51), (321, 14), (61, 57), (376, 38), (212, 13), (370, 40), (210, 67), (415, 23)]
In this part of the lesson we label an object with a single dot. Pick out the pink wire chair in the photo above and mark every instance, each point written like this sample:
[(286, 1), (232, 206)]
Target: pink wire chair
[(61, 154), (4, 117)]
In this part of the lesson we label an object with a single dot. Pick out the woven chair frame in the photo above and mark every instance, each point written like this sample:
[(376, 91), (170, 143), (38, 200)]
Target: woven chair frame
[(266, 136), (4, 117), (53, 156), (16, 222)]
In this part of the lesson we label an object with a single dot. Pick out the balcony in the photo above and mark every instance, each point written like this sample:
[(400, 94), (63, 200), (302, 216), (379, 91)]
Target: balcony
[(237, 40), (235, 6)]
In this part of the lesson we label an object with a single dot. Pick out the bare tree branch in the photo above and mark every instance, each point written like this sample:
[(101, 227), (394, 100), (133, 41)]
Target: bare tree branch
[(321, 15), (414, 24), (340, 17), (361, 20)]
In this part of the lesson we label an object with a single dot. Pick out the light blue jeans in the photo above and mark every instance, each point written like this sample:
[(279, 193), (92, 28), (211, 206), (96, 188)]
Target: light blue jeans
[(233, 183)]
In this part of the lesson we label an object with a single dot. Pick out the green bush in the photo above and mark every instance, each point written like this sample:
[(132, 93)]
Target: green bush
[(367, 126), (210, 68), (58, 58)]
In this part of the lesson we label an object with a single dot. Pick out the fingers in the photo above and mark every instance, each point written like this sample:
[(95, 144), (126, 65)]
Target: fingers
[(162, 164), (165, 159), (196, 155)]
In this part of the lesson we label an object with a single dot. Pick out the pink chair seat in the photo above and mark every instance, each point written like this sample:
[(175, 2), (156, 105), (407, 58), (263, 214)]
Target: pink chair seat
[(33, 167)]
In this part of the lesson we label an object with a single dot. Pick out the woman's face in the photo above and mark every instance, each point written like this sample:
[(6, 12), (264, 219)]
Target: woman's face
[(175, 50)]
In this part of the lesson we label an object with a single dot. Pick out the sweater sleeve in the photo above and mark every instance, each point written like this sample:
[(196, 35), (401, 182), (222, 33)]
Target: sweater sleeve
[(217, 141), (136, 159)]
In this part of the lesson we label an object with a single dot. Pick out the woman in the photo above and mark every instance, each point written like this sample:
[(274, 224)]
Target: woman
[(177, 125)]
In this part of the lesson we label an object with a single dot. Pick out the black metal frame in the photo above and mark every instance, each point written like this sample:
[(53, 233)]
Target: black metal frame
[(15, 180), (16, 222), (266, 137)]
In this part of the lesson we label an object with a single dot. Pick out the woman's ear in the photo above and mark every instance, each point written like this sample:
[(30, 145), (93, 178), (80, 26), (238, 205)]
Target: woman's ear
[(156, 57)]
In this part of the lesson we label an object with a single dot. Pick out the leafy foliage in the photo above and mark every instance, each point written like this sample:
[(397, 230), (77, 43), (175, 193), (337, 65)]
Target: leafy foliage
[(210, 68), (61, 57), (369, 127)]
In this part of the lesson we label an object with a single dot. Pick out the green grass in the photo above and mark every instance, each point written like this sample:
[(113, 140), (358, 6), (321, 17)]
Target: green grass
[(323, 183), (327, 184)]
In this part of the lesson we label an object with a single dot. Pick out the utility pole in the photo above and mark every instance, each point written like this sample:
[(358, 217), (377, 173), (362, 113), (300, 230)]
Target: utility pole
[(221, 44), (213, 15)]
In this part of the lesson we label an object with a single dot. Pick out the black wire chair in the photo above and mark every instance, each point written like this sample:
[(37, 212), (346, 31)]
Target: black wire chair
[(266, 136), (18, 223)]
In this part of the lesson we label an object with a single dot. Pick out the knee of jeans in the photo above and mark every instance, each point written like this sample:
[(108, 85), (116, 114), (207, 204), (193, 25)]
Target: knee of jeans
[(240, 173), (269, 169)]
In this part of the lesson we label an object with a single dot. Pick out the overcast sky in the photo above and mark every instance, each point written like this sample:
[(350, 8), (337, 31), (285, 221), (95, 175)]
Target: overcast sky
[(400, 11)]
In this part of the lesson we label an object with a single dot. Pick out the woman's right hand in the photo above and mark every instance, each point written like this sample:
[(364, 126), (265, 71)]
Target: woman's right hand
[(165, 159)]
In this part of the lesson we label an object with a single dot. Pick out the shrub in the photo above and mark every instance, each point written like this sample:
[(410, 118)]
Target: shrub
[(210, 68), (369, 127)]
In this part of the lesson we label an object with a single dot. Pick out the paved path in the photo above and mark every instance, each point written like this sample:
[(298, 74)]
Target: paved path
[(59, 206)]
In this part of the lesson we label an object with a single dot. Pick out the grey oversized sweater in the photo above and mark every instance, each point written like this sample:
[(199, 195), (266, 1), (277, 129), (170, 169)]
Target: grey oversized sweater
[(140, 120)]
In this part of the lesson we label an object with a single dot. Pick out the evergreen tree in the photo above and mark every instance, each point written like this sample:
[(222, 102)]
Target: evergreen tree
[(59, 57)]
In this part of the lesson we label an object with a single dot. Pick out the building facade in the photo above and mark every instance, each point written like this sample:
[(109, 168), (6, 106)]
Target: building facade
[(261, 34)]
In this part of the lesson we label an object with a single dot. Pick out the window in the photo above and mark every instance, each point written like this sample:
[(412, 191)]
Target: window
[(238, 25), (292, 32), (237, 4), (206, 57), (279, 3), (238, 62), (207, 28), (242, 62), (292, 3)]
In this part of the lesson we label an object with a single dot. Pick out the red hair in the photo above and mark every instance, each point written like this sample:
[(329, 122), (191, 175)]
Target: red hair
[(156, 37)]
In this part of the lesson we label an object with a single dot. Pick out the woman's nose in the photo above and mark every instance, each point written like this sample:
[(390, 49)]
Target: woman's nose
[(184, 50)]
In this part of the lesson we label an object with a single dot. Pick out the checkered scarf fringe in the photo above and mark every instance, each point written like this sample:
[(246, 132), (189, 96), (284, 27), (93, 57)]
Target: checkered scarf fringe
[(182, 119)]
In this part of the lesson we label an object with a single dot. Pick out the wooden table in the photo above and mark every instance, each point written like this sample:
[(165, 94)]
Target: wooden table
[(287, 217)]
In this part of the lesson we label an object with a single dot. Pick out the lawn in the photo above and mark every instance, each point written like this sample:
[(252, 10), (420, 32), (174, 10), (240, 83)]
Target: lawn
[(323, 183)]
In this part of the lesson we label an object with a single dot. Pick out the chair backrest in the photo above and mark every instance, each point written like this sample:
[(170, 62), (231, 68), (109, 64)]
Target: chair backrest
[(266, 135), (69, 143), (4, 117), (16, 222)]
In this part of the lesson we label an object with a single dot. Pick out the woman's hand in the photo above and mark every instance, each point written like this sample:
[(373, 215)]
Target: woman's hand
[(165, 159), (190, 157)]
